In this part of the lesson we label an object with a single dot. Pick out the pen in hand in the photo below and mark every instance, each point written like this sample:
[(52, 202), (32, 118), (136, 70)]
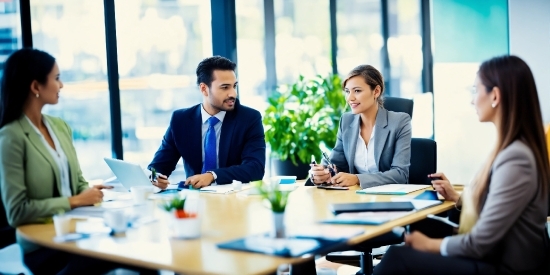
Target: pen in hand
[(330, 165)]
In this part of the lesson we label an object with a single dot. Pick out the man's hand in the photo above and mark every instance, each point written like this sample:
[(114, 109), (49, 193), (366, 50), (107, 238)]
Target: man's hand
[(161, 182), (345, 179), (199, 181), (423, 243)]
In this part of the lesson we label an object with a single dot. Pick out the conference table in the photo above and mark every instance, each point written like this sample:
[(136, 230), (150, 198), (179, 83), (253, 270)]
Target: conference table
[(224, 217)]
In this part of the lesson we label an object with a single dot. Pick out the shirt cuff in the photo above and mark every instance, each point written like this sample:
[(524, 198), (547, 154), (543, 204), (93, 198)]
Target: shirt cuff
[(443, 247)]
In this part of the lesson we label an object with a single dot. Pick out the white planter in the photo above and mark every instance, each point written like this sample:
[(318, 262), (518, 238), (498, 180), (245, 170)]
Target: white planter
[(278, 230), (185, 228)]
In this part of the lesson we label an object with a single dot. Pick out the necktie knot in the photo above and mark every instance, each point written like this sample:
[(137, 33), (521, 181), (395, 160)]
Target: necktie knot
[(213, 121)]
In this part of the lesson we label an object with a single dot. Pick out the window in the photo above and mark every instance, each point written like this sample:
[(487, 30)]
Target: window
[(74, 33), (160, 44), (10, 30), (360, 39), (250, 53), (302, 39), (405, 48)]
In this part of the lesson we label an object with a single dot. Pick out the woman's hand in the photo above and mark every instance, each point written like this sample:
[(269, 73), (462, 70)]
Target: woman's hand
[(345, 179), (89, 196), (443, 186), (319, 174), (422, 242)]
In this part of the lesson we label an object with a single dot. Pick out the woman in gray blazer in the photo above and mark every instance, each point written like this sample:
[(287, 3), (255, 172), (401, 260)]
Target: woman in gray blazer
[(503, 212), (373, 146)]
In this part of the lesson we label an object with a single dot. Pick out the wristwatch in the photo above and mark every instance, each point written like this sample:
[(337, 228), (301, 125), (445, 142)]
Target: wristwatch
[(213, 175)]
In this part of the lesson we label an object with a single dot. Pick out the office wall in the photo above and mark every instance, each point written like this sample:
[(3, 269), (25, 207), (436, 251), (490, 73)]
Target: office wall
[(465, 33), (529, 28)]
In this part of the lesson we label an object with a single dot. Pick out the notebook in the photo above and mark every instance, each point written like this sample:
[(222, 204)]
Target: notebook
[(418, 204), (392, 189), (371, 207), (298, 243)]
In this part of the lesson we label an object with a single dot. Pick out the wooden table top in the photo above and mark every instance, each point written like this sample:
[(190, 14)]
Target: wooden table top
[(224, 218)]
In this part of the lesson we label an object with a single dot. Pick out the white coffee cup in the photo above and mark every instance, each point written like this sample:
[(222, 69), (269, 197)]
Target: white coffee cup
[(140, 194), (237, 185), (62, 224), (116, 219)]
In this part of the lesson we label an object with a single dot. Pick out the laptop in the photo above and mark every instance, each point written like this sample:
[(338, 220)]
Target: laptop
[(129, 174)]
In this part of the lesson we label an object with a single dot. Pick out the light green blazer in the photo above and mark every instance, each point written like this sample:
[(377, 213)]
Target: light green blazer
[(29, 174)]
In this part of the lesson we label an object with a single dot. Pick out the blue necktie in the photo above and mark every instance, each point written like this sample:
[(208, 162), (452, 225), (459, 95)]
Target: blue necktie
[(210, 155)]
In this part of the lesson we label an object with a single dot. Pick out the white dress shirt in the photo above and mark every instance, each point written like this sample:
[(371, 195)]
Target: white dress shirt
[(59, 157), (218, 128), (443, 247), (364, 155)]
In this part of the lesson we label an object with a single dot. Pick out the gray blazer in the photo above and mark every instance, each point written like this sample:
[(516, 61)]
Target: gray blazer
[(511, 226), (392, 147)]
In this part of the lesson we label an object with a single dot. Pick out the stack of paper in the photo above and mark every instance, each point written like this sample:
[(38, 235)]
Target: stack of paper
[(392, 189), (223, 189), (367, 218)]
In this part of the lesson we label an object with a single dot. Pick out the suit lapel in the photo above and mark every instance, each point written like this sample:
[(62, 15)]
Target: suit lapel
[(380, 134), (352, 135), (228, 126), (195, 142), (65, 143), (37, 142)]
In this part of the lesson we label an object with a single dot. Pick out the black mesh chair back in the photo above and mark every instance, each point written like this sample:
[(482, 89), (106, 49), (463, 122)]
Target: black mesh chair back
[(7, 233), (423, 160)]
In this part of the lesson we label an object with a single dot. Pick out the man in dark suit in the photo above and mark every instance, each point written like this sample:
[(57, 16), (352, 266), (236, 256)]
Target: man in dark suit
[(219, 140)]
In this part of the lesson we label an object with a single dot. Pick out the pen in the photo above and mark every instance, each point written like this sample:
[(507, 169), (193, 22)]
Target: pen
[(313, 162), (330, 165), (153, 174)]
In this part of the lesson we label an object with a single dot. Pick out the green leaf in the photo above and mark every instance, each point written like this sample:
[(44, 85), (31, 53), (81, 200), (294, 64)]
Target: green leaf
[(302, 116)]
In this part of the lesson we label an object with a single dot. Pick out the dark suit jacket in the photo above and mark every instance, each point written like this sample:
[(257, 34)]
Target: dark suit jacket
[(241, 153)]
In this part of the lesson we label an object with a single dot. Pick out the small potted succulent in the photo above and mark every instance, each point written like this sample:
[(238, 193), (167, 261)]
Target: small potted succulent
[(275, 199), (184, 220)]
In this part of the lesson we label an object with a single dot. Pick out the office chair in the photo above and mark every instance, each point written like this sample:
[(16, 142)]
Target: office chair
[(7, 233), (397, 104), (363, 257)]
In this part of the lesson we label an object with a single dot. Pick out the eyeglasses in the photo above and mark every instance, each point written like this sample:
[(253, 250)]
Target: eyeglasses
[(473, 90)]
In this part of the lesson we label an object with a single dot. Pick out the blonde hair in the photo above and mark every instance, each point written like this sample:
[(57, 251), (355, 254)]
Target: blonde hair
[(371, 76)]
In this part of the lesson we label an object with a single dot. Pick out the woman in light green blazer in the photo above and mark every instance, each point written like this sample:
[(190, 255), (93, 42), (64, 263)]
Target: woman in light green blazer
[(39, 171)]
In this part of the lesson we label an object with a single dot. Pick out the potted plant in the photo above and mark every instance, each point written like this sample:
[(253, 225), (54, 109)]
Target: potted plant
[(184, 221), (300, 118), (275, 199)]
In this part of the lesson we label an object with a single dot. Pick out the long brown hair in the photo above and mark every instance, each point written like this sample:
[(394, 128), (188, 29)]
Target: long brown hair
[(372, 77), (521, 117)]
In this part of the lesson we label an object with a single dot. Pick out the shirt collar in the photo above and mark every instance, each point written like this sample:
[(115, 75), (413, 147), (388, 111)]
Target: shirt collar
[(205, 116), (35, 128)]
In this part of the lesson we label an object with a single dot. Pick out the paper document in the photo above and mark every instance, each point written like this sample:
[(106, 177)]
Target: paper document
[(223, 189), (328, 232), (392, 189), (97, 211), (367, 218)]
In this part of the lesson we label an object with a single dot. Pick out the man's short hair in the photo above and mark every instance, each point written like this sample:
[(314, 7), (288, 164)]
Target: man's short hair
[(205, 69)]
